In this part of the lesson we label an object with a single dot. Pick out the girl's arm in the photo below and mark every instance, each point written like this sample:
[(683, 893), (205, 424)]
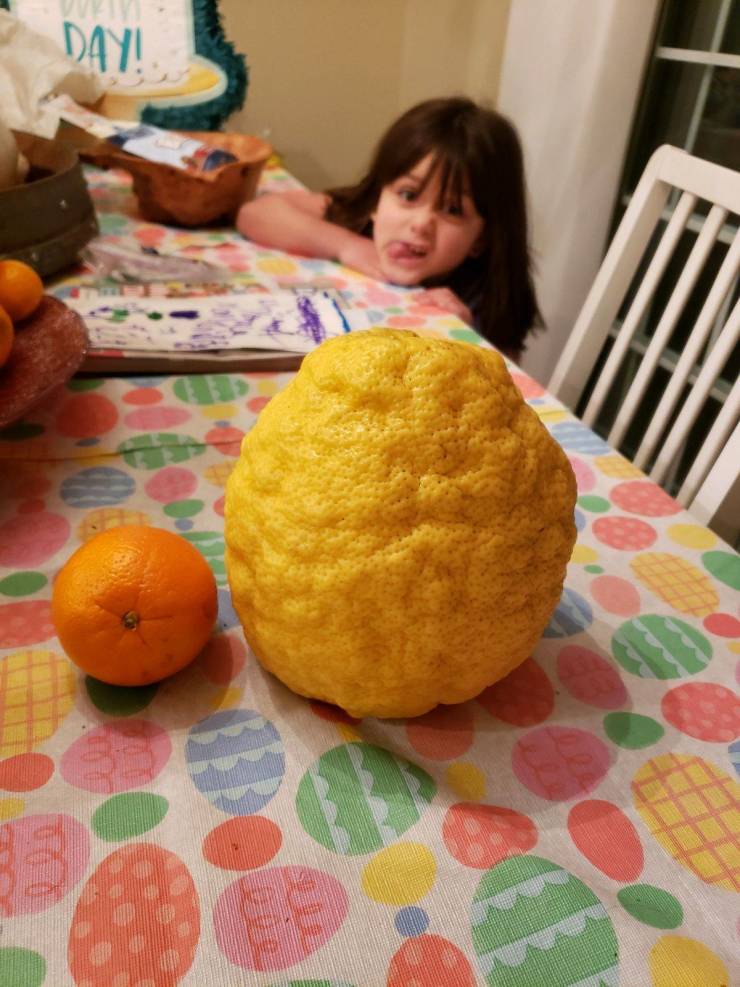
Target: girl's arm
[(294, 221)]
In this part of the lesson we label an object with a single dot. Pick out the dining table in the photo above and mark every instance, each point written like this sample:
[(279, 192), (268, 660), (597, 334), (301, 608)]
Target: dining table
[(575, 825)]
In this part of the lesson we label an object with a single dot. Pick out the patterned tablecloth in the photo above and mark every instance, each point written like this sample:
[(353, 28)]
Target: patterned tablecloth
[(576, 824)]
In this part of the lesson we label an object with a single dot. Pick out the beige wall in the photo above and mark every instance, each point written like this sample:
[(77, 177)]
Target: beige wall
[(328, 76)]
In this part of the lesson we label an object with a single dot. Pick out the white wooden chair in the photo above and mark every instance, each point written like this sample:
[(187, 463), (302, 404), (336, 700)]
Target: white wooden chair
[(715, 470)]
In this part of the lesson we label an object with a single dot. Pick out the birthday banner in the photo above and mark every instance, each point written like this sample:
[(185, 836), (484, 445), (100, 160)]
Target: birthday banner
[(132, 44)]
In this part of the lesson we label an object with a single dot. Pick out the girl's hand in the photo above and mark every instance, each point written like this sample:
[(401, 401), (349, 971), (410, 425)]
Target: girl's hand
[(360, 253), (447, 300)]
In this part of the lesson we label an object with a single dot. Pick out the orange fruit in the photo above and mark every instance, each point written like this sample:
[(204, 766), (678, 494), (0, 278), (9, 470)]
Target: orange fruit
[(21, 289), (134, 605), (7, 334)]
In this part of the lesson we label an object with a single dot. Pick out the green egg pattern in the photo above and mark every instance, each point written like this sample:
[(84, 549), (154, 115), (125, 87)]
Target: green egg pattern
[(211, 546), (724, 566), (210, 388), (122, 817), (152, 451), (21, 967), (358, 798), (22, 583), (660, 648), (534, 923), (119, 700), (632, 730), (652, 906)]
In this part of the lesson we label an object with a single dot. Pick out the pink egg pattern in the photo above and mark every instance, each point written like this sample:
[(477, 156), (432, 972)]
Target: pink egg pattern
[(430, 961), (483, 835), (616, 595), (171, 483), (159, 416), (591, 678), (82, 416), (41, 858), (585, 476), (138, 915), (704, 710), (523, 698), (644, 498), (24, 544), (117, 757), (559, 763), (442, 734), (25, 622), (627, 534), (276, 917)]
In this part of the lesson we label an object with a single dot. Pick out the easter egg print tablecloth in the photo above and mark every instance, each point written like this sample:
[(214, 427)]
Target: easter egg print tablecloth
[(576, 824)]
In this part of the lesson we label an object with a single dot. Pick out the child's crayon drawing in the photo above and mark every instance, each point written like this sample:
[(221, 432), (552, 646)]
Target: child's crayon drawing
[(291, 321)]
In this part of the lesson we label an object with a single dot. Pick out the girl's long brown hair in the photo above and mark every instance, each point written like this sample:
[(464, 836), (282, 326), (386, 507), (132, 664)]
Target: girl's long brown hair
[(478, 150)]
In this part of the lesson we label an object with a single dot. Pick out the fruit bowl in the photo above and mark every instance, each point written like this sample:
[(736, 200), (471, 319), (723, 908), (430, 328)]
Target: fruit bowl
[(49, 348), (172, 195)]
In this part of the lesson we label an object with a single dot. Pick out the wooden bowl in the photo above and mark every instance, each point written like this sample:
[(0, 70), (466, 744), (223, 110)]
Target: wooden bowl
[(48, 349), (183, 198), (46, 220)]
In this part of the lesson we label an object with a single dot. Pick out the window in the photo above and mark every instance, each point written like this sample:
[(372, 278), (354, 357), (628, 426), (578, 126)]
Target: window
[(691, 99)]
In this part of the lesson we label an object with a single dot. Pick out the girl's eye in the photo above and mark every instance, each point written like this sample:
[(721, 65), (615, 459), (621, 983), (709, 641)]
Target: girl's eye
[(407, 194), (453, 209)]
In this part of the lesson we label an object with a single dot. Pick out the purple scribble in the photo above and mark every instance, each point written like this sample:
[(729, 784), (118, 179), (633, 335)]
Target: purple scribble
[(310, 321)]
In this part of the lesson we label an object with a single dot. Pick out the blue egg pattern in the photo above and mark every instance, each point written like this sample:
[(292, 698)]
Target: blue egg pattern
[(572, 615), (100, 486), (734, 752), (236, 759), (577, 438), (227, 617)]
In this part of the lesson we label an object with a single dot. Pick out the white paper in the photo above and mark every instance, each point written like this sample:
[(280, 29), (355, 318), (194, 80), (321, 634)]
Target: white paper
[(291, 321), (130, 44)]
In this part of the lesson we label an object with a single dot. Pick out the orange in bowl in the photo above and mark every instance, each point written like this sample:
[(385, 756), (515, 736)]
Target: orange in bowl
[(7, 334), (134, 605), (21, 289)]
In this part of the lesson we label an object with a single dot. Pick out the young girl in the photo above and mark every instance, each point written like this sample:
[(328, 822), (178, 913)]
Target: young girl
[(442, 206)]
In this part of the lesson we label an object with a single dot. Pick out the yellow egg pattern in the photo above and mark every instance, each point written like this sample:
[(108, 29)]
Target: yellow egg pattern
[(466, 781), (617, 467), (679, 962), (105, 518), (218, 411), (676, 581), (583, 554), (692, 536), (692, 808), (219, 473), (277, 266), (10, 808), (400, 874), (36, 692)]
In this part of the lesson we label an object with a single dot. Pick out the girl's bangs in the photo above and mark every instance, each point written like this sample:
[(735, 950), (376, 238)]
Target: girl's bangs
[(452, 178)]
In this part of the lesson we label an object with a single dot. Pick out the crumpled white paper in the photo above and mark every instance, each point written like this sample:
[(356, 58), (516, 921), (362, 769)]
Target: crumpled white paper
[(31, 67)]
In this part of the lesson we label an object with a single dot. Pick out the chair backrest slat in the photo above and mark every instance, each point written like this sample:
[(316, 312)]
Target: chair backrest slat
[(691, 352), (711, 449), (667, 322), (659, 262), (707, 376)]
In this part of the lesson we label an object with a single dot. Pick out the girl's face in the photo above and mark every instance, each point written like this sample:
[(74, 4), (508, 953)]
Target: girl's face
[(419, 238)]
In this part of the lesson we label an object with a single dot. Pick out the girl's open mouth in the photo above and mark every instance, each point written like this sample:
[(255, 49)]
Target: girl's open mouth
[(400, 250)]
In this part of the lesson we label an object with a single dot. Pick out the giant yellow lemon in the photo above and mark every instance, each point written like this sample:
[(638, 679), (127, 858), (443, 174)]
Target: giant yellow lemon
[(398, 525)]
